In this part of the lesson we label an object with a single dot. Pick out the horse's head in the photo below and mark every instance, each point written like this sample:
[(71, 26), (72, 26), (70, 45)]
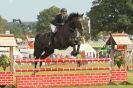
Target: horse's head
[(75, 21), (76, 26)]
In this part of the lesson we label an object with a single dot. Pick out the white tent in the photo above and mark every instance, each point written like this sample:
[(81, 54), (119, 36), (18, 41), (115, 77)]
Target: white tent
[(89, 51), (63, 53)]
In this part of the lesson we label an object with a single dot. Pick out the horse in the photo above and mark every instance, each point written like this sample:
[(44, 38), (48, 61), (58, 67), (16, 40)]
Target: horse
[(67, 35)]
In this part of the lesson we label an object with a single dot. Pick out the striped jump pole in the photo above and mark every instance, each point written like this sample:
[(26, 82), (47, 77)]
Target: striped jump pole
[(62, 69), (62, 60)]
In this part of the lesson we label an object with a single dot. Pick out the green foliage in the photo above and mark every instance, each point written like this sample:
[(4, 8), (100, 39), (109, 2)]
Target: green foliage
[(4, 62), (18, 30), (111, 16), (45, 17), (3, 23), (86, 28), (118, 59)]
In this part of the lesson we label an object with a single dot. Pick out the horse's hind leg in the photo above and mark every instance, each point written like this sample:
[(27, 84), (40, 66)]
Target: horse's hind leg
[(40, 64), (35, 64), (37, 55), (46, 54)]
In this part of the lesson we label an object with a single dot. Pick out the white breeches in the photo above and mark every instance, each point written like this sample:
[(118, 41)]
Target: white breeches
[(53, 28)]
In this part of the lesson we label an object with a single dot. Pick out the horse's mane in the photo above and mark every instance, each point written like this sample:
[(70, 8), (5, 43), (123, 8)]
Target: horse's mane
[(72, 15)]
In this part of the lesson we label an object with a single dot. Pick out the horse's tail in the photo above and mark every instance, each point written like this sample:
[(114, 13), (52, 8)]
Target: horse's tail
[(36, 44)]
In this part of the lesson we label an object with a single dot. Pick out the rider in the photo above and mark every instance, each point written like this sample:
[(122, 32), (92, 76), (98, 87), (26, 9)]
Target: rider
[(58, 22)]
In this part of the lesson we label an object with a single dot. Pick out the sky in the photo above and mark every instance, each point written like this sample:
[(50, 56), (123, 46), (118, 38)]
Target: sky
[(27, 10)]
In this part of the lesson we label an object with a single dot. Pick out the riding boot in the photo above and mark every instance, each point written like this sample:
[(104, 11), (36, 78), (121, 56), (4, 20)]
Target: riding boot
[(52, 37)]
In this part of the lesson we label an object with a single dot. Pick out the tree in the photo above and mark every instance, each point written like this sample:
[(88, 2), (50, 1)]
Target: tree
[(3, 23), (45, 17), (86, 28), (4, 61), (17, 30), (111, 16)]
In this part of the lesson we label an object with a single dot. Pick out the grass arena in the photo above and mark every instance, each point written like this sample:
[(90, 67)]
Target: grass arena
[(64, 73)]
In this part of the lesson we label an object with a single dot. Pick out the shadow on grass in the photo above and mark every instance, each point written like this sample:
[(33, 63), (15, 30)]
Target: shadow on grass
[(126, 83), (4, 86), (112, 83)]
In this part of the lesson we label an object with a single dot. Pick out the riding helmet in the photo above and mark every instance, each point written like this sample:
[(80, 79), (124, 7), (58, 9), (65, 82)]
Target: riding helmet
[(63, 10)]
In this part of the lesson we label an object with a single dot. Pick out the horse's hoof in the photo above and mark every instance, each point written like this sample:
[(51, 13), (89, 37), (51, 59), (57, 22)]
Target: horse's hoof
[(77, 52), (74, 53)]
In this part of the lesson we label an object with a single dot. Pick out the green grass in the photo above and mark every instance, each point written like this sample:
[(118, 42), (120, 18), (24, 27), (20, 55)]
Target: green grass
[(25, 66)]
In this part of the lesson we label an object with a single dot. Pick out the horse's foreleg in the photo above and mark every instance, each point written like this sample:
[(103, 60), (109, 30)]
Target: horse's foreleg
[(74, 48), (74, 51), (78, 49)]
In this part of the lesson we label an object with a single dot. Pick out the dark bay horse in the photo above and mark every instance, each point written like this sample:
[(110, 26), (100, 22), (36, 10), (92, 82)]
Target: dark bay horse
[(67, 35)]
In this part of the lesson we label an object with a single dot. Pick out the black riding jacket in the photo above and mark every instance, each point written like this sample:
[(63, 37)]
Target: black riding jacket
[(59, 20)]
